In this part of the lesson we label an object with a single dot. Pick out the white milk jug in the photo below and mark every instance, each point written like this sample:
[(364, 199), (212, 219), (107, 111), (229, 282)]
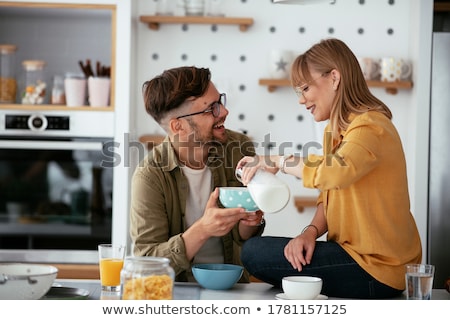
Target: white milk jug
[(269, 193)]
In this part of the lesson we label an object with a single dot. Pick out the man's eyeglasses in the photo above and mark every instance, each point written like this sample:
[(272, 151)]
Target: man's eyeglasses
[(304, 88), (214, 107)]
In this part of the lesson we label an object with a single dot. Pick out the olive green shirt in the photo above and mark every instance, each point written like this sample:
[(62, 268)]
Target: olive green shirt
[(158, 202)]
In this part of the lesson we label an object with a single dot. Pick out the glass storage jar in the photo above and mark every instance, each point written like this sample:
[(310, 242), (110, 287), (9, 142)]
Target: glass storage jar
[(8, 83), (147, 278), (58, 94), (34, 85)]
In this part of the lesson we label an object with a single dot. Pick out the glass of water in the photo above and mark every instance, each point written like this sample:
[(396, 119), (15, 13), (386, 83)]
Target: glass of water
[(419, 281)]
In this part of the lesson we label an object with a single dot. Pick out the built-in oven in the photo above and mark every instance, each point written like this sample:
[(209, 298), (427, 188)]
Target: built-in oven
[(56, 178)]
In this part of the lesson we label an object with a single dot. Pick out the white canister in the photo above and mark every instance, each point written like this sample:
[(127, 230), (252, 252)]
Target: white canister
[(75, 87), (193, 7), (99, 91), (280, 62), (214, 8), (165, 7)]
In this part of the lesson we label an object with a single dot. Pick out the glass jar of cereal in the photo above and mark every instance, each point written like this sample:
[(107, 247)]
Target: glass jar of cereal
[(8, 83), (147, 278)]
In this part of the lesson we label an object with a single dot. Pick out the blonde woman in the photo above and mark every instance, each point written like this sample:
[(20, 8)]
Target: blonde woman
[(363, 206)]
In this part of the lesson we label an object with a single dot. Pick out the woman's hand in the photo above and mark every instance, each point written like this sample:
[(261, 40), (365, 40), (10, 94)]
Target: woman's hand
[(249, 166), (299, 250)]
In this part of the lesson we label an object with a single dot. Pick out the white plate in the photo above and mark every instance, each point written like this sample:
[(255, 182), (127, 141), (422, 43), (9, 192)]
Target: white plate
[(283, 296)]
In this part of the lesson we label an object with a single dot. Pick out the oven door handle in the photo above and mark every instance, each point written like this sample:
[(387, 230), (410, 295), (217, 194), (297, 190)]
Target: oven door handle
[(51, 145)]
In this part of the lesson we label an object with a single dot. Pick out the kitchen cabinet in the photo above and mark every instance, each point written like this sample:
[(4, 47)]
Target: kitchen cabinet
[(391, 87), (61, 34), (154, 22)]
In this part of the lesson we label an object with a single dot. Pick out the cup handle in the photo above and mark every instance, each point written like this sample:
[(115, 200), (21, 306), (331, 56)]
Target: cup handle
[(376, 70), (406, 70), (238, 174)]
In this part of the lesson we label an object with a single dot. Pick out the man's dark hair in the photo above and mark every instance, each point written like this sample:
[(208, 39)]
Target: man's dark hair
[(169, 90)]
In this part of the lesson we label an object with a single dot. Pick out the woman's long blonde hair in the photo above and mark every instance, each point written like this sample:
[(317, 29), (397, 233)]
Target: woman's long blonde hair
[(353, 95)]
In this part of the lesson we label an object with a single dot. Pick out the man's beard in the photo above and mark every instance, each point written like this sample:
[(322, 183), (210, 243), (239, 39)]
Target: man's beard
[(199, 140)]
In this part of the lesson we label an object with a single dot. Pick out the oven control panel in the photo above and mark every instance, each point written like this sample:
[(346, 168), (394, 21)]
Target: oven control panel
[(37, 122)]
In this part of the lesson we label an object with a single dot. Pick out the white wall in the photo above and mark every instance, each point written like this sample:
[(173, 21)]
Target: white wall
[(241, 59)]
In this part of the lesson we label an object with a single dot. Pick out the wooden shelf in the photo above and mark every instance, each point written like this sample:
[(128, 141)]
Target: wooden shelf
[(273, 84), (50, 107), (391, 87), (302, 202), (155, 21), (442, 7)]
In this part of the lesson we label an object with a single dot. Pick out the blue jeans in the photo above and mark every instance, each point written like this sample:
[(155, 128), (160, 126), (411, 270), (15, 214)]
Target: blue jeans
[(342, 277)]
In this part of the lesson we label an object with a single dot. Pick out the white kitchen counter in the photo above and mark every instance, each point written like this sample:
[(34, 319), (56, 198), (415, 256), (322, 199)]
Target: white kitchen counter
[(49, 256), (192, 291)]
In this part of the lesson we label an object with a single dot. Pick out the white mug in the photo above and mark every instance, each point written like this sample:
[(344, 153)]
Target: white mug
[(165, 7), (75, 91), (370, 67), (193, 7), (214, 8), (98, 89), (395, 69), (280, 62)]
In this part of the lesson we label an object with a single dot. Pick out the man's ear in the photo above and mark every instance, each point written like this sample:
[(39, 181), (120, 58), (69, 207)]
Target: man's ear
[(175, 126)]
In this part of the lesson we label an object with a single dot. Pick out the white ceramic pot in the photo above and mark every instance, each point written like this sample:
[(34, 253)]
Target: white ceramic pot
[(23, 281)]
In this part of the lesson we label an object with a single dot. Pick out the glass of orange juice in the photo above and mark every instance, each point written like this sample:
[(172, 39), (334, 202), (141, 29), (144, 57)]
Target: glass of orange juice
[(111, 258)]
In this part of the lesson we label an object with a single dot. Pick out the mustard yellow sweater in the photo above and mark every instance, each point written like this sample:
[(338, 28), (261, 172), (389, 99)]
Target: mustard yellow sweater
[(364, 191)]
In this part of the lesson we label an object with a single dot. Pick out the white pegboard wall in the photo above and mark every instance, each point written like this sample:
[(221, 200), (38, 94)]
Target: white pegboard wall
[(239, 59)]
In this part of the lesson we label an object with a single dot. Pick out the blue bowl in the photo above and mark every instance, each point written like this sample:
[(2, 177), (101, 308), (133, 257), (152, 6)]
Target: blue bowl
[(217, 276), (237, 197)]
